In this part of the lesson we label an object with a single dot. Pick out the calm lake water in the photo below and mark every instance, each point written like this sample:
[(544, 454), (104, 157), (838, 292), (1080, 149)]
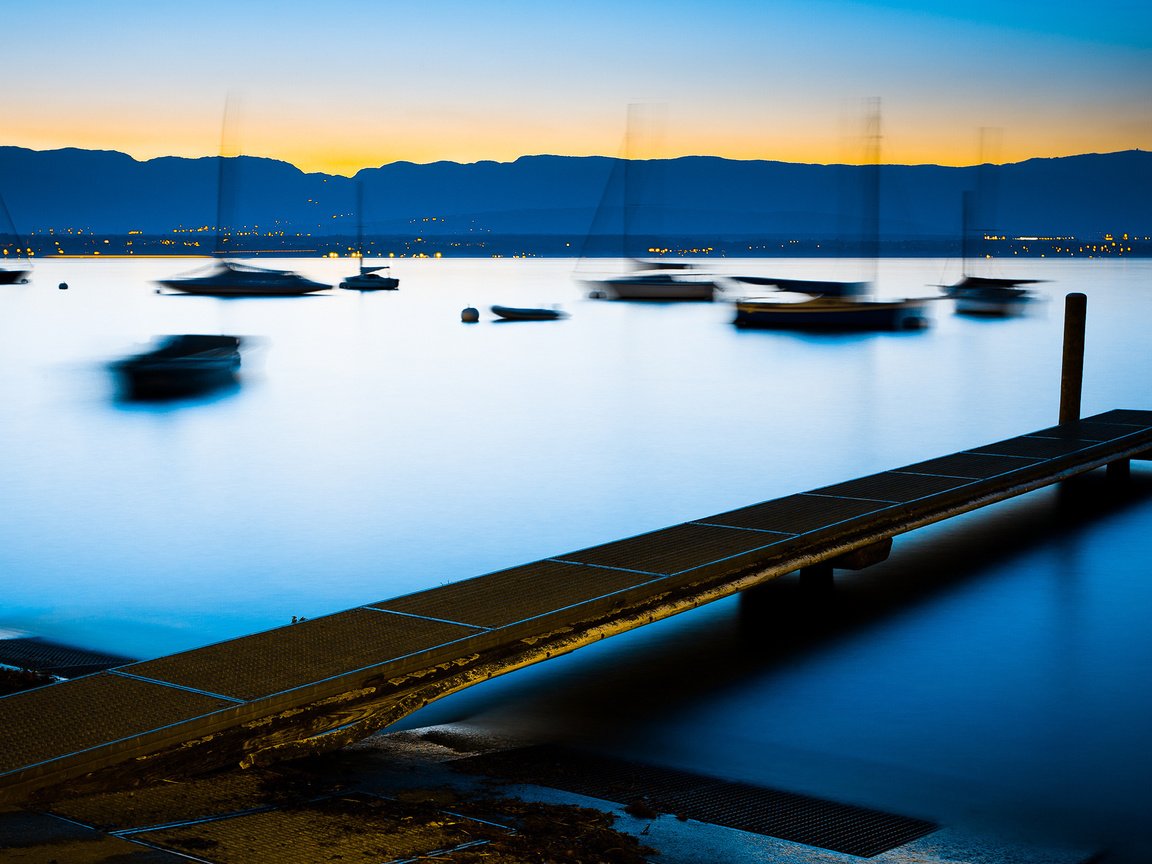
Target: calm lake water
[(993, 673)]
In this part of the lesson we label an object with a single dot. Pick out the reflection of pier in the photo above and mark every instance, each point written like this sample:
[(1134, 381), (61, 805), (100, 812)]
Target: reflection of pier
[(328, 681)]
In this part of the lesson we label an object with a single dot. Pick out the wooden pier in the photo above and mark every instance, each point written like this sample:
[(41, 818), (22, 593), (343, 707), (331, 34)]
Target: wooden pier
[(328, 681)]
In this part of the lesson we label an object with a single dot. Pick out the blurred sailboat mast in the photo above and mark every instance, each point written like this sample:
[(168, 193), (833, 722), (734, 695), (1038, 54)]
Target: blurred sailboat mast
[(360, 223), (225, 179), (871, 202), (10, 223)]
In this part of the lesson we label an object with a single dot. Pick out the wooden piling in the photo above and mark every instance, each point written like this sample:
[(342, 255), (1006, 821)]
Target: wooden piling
[(1072, 368)]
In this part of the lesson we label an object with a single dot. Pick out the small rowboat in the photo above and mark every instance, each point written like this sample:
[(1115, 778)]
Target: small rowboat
[(511, 313), (180, 366)]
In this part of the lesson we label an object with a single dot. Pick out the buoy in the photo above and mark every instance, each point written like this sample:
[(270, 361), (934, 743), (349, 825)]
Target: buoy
[(469, 315), (63, 286)]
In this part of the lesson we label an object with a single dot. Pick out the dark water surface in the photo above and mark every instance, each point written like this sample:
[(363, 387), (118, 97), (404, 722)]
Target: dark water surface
[(995, 671)]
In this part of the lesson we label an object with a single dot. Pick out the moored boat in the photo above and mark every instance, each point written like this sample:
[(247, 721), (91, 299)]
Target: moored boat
[(180, 365), (836, 305), (641, 190), (993, 296), (371, 279), (226, 278), (659, 284), (512, 313), (229, 279), (979, 295), (797, 311), (13, 277)]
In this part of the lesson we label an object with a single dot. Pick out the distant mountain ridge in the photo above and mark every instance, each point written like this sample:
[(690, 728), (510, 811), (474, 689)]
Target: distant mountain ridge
[(111, 192)]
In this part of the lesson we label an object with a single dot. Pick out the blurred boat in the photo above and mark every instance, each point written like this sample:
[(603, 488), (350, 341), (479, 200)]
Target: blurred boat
[(803, 304), (229, 279), (641, 188), (180, 366), (796, 311), (13, 277), (512, 313), (984, 295), (369, 278), (656, 281)]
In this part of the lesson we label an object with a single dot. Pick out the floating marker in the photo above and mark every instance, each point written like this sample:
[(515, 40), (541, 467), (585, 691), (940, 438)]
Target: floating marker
[(470, 315)]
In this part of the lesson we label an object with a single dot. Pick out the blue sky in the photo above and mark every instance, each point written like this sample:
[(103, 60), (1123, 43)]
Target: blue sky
[(352, 83)]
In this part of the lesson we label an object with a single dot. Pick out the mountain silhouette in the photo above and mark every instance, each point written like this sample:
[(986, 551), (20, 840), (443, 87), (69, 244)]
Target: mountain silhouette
[(113, 193)]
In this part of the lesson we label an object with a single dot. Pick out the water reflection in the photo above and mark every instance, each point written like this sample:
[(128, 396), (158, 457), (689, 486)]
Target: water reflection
[(994, 668)]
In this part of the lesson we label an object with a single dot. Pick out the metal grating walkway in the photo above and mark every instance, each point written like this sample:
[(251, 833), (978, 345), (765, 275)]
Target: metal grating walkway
[(40, 655), (303, 680), (798, 818)]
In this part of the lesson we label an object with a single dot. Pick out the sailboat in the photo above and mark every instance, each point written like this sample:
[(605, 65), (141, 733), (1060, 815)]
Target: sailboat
[(985, 295), (230, 279), (645, 279), (369, 278), (832, 305), (657, 281), (13, 277), (227, 278)]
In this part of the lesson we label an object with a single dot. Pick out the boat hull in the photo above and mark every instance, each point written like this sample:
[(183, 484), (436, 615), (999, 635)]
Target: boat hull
[(13, 277), (990, 307), (510, 313), (181, 366), (242, 289), (991, 298), (829, 314), (371, 282), (647, 288), (239, 280)]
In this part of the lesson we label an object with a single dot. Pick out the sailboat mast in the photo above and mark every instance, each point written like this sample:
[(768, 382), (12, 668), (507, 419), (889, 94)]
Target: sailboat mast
[(224, 184), (8, 220), (360, 223), (872, 185), (630, 185), (220, 206), (965, 231)]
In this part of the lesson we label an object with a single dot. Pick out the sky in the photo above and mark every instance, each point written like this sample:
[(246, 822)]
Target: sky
[(347, 84)]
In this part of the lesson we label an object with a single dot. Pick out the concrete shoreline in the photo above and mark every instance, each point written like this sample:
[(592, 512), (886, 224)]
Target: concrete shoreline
[(420, 769)]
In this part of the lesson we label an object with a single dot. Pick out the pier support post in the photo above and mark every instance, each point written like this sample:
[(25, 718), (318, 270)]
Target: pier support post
[(1072, 367), (817, 578), (1119, 471)]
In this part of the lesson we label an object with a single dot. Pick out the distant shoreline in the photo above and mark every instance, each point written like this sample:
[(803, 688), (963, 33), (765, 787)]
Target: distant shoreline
[(43, 246)]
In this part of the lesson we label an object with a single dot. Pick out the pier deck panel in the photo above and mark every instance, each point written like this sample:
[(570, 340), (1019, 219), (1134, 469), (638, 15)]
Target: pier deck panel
[(973, 466), (72, 716), (893, 487), (795, 514), (517, 594), (277, 660), (675, 549)]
